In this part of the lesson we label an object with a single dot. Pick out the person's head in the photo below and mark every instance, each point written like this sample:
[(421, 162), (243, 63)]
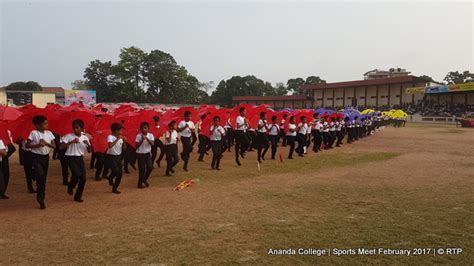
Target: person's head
[(116, 129), (274, 119), (333, 119), (78, 126), (315, 115), (227, 114), (303, 119), (216, 120), (292, 119), (346, 118), (187, 115), (285, 116), (203, 117), (156, 119), (263, 115), (144, 126), (339, 119), (242, 111), (40, 122), (355, 117), (172, 125)]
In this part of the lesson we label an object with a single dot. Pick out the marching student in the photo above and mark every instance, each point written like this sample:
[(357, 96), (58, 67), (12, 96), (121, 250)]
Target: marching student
[(74, 145), (356, 128), (229, 135), (350, 130), (3, 181), (307, 139), (204, 142), (241, 141), (27, 166), (116, 146), (332, 132), (129, 158), (217, 133), (5, 166), (158, 145), (40, 141), (290, 136), (317, 134), (273, 136), (326, 136), (171, 147), (302, 130), (262, 137), (143, 142), (282, 130), (186, 129), (63, 161), (339, 131)]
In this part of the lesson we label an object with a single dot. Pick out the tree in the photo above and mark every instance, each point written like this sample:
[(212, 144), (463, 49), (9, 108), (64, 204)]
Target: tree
[(457, 77), (239, 86), (281, 89), (98, 75), (426, 77), (294, 85), (314, 79), (79, 84), (23, 86), (130, 68)]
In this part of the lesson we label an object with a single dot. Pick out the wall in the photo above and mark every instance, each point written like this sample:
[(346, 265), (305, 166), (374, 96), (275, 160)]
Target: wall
[(3, 98), (42, 99)]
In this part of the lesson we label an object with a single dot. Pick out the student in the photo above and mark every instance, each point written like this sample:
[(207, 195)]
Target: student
[(229, 135), (40, 141), (339, 125), (290, 136), (216, 135), (204, 142), (116, 146), (27, 166), (241, 141), (171, 147), (5, 166), (273, 135), (101, 167), (326, 135), (307, 139), (318, 134), (3, 181), (186, 128), (350, 130), (262, 137), (301, 130), (282, 130), (158, 145), (74, 145), (332, 132), (143, 142), (63, 162)]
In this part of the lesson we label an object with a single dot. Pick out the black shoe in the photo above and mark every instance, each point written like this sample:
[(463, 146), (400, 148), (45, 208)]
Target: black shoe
[(242, 155), (200, 160), (238, 163), (263, 158), (140, 186), (217, 168), (70, 191), (4, 197), (65, 183), (126, 171), (30, 190), (98, 179), (172, 171), (158, 163), (260, 161), (116, 191), (168, 174), (291, 158), (78, 200), (146, 184), (273, 158), (42, 206), (185, 169), (300, 155)]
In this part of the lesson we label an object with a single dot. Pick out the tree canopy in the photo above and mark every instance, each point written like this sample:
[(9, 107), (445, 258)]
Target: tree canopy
[(456, 77), (24, 86)]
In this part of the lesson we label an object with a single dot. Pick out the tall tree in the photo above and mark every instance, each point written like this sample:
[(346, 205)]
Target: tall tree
[(456, 77), (79, 84), (23, 86), (130, 68), (294, 85), (314, 79), (239, 86), (99, 76)]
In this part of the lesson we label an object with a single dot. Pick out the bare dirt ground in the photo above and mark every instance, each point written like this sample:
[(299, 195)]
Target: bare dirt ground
[(406, 187)]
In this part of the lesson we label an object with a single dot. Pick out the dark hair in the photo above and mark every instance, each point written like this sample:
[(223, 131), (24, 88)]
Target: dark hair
[(186, 113), (262, 114), (274, 117), (203, 116), (156, 118), (171, 123), (241, 109), (216, 118), (39, 119), (303, 117), (292, 118), (144, 124), (333, 119), (285, 115), (116, 127), (78, 123), (315, 115)]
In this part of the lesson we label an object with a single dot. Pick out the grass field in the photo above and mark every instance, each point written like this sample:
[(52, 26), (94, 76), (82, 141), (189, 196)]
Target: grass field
[(407, 187)]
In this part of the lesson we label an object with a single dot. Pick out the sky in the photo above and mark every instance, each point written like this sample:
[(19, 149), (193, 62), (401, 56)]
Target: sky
[(52, 42)]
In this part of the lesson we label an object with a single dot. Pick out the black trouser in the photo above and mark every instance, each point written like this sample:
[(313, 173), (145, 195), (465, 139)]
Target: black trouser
[(301, 138), (101, 168), (204, 146), (144, 167), (3, 181), (216, 146), (356, 133), (274, 143), (282, 136), (340, 137), (28, 168), (350, 134), (317, 139), (262, 145), (333, 136), (93, 159), (290, 140), (241, 143), (129, 157), (115, 165), (252, 136), (5, 169), (187, 148), (64, 166), (172, 158), (326, 139), (154, 151), (229, 137), (78, 169), (40, 171)]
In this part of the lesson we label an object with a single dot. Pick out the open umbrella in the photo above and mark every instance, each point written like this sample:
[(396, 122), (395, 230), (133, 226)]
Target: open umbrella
[(8, 113)]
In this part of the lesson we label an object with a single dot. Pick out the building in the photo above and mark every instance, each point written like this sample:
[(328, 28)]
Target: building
[(277, 102), (38, 98), (450, 94), (58, 91), (368, 92), (382, 74)]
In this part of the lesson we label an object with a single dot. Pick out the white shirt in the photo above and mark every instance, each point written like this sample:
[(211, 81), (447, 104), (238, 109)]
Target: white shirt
[(261, 123), (318, 126), (289, 133), (337, 126), (23, 146), (186, 132), (273, 129), (36, 136), (216, 133), (325, 127), (145, 147), (75, 149), (227, 124), (240, 121), (332, 127), (2, 147), (117, 148), (303, 128), (173, 139)]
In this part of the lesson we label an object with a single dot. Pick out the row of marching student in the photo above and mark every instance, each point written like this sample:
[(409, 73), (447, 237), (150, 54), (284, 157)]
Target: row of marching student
[(323, 132)]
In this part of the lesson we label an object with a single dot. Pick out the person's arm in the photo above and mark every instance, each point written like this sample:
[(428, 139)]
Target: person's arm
[(150, 141), (51, 144), (179, 129), (168, 138), (140, 141), (124, 143), (88, 146), (111, 144), (261, 126)]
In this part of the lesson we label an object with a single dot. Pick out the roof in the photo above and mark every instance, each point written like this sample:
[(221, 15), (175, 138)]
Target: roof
[(271, 98), (361, 83), (52, 89)]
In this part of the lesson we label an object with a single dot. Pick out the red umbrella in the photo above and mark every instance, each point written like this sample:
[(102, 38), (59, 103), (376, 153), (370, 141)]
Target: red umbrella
[(22, 127), (4, 136), (8, 113), (65, 122), (126, 115)]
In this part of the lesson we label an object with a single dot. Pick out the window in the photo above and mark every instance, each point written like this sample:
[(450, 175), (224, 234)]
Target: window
[(373, 97)]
